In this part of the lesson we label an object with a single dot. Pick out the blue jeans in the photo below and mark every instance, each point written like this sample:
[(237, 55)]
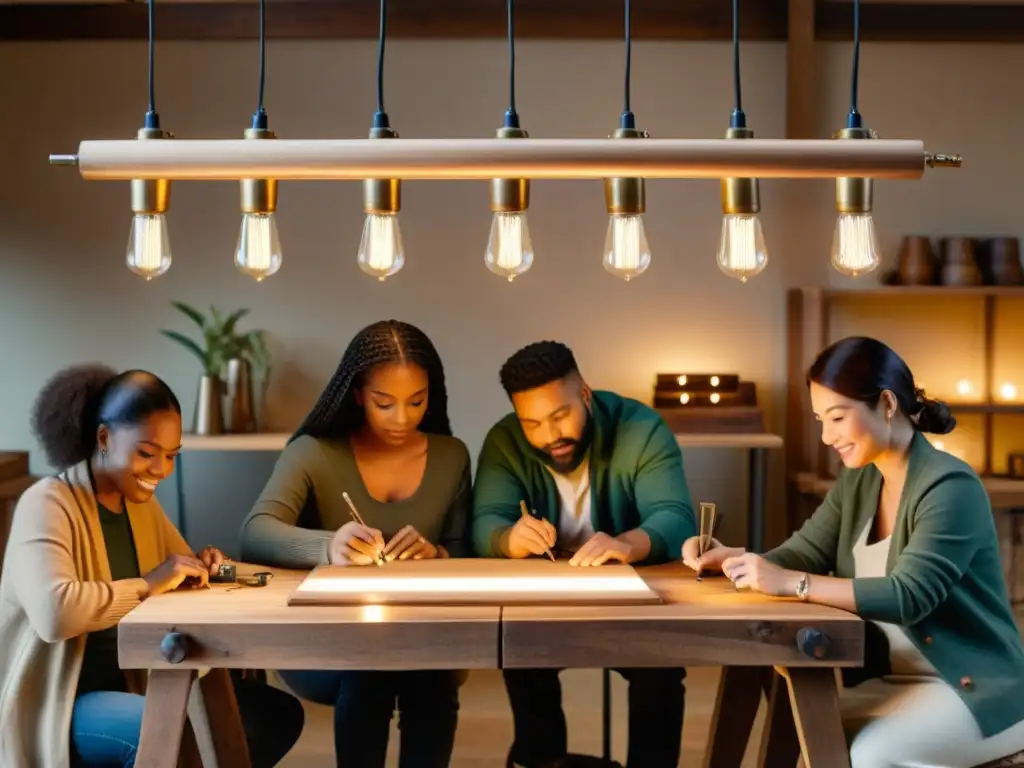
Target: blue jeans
[(105, 725), (364, 702)]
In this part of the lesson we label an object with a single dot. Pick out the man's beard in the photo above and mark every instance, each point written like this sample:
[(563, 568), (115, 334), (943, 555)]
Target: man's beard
[(580, 447)]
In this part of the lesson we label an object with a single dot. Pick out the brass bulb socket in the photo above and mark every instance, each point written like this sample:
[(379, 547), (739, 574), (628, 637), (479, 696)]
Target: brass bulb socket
[(854, 194), (740, 196), (627, 196), (151, 196), (258, 195), (510, 195), (382, 196)]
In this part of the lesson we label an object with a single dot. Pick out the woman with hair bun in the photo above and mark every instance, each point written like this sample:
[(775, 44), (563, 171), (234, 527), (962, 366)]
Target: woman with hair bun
[(906, 540), (86, 546)]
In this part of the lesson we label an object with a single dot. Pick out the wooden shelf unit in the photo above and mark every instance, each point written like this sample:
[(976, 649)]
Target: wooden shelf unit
[(808, 333)]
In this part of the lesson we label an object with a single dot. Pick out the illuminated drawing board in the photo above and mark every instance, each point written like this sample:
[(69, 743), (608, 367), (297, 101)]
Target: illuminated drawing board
[(474, 581)]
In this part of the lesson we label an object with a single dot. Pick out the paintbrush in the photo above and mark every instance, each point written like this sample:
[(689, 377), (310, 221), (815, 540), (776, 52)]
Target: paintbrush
[(379, 559), (526, 513), (708, 518)]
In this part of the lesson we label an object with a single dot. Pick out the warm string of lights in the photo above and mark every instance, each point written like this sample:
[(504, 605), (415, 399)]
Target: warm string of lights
[(742, 251)]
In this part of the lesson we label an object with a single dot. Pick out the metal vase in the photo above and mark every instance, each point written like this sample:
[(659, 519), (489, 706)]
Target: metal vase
[(208, 418), (241, 416)]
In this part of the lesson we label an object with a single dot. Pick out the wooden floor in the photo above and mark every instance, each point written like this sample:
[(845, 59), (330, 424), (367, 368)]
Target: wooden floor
[(485, 723)]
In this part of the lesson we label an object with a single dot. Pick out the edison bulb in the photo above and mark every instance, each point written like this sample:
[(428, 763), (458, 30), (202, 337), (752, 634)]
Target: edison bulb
[(149, 245), (381, 252), (626, 252), (509, 247), (741, 249), (259, 248), (855, 244)]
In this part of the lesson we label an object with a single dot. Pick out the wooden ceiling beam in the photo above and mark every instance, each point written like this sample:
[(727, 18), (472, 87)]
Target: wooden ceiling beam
[(693, 20), (921, 22), (424, 19)]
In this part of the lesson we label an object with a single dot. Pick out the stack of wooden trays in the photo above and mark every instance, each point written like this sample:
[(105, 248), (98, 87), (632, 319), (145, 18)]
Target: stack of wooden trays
[(708, 403)]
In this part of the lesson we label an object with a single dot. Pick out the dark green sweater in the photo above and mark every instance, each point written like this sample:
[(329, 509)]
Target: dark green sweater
[(636, 476), (301, 506), (944, 578)]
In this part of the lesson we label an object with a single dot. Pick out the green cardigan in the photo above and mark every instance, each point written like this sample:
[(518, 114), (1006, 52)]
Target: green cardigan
[(637, 480), (944, 579)]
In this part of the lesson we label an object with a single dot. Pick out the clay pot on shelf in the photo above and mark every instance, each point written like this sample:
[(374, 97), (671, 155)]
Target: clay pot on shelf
[(916, 262), (959, 262), (1000, 261)]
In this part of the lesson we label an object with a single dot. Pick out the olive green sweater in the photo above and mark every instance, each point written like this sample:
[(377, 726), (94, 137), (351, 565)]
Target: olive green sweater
[(302, 506), (944, 579)]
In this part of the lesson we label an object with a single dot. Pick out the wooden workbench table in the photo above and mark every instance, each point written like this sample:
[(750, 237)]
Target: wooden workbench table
[(710, 623), (701, 624), (225, 627)]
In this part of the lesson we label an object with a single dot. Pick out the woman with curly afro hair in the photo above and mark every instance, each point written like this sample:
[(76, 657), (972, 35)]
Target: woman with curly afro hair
[(380, 434), (86, 546)]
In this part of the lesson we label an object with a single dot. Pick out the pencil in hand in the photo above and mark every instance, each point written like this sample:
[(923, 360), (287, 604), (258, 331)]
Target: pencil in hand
[(708, 518), (379, 557), (526, 513)]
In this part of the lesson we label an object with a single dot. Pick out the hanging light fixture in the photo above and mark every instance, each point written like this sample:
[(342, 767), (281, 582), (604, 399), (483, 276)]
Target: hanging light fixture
[(149, 245), (855, 248), (509, 245), (258, 253), (381, 251), (741, 249), (626, 251)]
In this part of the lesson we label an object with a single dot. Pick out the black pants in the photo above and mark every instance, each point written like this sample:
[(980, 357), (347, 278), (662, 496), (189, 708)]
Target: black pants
[(656, 703), (364, 702)]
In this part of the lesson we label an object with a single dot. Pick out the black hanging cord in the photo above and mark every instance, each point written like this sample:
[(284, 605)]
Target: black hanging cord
[(152, 118), (738, 119), (853, 119), (511, 116), (380, 117), (382, 36), (259, 118), (627, 120)]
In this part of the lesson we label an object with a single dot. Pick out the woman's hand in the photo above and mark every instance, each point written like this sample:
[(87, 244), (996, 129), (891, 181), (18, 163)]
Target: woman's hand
[(354, 544), (409, 544), (212, 558), (712, 558), (754, 572), (173, 571)]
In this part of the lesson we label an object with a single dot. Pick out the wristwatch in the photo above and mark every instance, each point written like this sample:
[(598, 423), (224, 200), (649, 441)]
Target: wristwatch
[(803, 587)]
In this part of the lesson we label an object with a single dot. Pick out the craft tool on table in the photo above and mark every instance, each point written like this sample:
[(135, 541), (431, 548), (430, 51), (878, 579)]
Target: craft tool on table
[(526, 513), (379, 558), (708, 518)]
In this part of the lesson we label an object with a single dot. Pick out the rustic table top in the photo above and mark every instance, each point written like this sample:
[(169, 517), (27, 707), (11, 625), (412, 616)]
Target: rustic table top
[(255, 628), (699, 623)]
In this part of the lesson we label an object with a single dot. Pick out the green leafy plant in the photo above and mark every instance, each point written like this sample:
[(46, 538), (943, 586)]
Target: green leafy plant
[(253, 346), (220, 342)]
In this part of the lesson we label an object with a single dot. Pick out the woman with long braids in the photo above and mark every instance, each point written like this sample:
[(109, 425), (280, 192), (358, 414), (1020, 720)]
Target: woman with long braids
[(380, 434), (86, 546)]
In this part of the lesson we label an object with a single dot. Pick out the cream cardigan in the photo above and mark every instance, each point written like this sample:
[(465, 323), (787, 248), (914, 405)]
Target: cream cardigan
[(54, 590)]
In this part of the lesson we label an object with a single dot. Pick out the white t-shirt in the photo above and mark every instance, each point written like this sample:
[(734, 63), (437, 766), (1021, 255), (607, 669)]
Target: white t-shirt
[(574, 525), (904, 656)]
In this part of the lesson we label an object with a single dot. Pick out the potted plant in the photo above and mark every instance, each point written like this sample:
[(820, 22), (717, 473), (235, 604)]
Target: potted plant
[(219, 344), (253, 348)]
